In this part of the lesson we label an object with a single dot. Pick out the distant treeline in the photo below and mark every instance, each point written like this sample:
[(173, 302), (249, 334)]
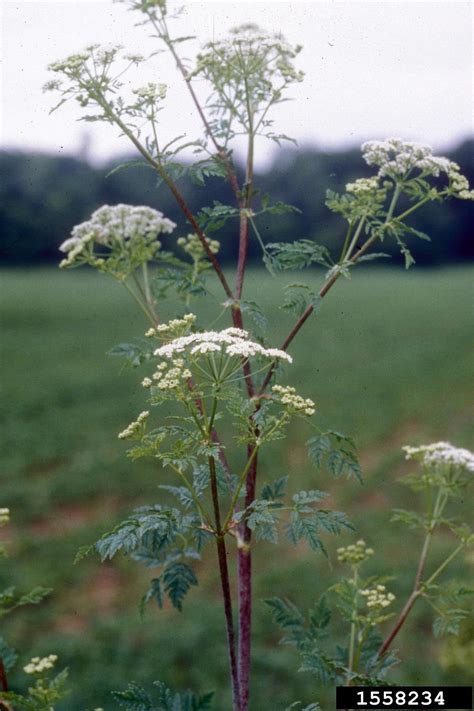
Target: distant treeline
[(42, 197)]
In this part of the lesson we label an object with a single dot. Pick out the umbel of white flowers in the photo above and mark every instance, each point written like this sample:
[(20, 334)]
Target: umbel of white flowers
[(398, 159), (231, 341), (112, 225), (442, 454)]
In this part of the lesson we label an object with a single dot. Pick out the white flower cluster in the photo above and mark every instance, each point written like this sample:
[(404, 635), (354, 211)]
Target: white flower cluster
[(355, 553), (231, 341), (442, 454), (151, 92), (293, 402), (173, 327), (377, 597), (169, 378), (397, 158), (134, 57), (38, 666), (135, 427), (270, 52), (118, 223), (192, 245)]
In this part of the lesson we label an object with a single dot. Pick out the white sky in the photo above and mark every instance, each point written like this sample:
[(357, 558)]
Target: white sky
[(373, 69)]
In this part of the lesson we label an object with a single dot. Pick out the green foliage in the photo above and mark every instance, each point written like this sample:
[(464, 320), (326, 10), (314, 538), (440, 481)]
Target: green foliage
[(158, 537), (311, 637), (177, 579), (158, 527), (281, 256), (275, 490), (336, 452), (449, 601), (260, 518), (411, 519), (306, 522), (134, 353), (42, 696), (213, 218), (298, 297), (306, 635), (256, 314), (8, 655), (135, 698)]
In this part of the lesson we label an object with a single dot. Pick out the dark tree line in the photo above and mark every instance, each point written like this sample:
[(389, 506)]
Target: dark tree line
[(43, 196)]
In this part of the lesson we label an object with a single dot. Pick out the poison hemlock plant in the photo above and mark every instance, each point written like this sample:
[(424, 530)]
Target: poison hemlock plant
[(365, 604), (204, 380), (48, 687)]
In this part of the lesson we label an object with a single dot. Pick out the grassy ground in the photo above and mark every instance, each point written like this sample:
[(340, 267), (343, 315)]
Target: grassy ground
[(387, 360)]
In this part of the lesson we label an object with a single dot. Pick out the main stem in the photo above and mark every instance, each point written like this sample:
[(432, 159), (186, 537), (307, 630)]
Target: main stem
[(225, 585), (244, 553), (3, 676), (244, 534)]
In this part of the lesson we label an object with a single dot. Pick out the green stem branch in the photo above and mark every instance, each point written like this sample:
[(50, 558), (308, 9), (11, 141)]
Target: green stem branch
[(418, 585), (350, 664)]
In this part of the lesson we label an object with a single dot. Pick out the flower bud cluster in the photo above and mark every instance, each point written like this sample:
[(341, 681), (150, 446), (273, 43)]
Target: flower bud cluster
[(76, 65), (363, 186), (459, 184), (377, 598), (442, 454), (355, 553), (39, 665), (70, 64), (192, 245), (175, 327), (287, 396), (4, 517), (169, 378), (151, 92), (135, 428), (368, 189)]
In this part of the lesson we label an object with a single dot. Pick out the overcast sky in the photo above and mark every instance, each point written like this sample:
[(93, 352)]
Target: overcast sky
[(373, 69)]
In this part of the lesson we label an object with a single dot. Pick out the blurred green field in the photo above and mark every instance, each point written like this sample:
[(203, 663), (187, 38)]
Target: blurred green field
[(389, 360)]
